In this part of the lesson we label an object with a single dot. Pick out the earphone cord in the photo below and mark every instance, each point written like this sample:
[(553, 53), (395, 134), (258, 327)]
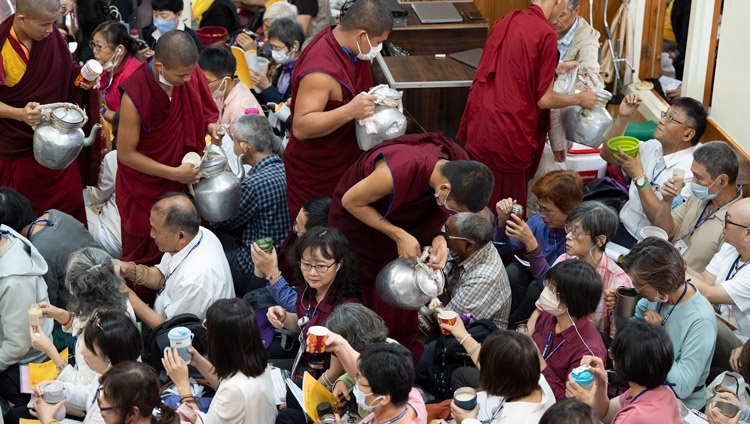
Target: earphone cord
[(579, 334)]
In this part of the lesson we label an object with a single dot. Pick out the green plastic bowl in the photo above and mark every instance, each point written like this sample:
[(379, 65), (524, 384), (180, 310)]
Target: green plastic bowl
[(628, 144)]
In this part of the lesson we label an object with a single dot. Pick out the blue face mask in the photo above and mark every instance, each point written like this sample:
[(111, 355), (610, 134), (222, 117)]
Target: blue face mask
[(164, 25), (701, 192)]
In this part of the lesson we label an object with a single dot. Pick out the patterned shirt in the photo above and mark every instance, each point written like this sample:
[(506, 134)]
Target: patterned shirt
[(563, 44), (480, 286), (263, 210)]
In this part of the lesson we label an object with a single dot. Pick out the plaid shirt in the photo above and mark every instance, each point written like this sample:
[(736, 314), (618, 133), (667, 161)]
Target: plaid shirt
[(563, 44), (480, 286), (264, 210)]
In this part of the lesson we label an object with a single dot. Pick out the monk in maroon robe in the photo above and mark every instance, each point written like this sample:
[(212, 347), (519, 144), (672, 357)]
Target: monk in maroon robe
[(506, 119), (36, 68), (166, 111), (394, 200)]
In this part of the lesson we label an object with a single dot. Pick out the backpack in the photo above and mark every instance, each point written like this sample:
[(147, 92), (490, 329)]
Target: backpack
[(156, 340), (445, 355), (608, 191)]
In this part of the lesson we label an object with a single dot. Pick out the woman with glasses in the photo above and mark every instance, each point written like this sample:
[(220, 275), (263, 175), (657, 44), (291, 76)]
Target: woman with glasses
[(642, 355), (236, 368), (285, 36), (110, 338), (541, 238)]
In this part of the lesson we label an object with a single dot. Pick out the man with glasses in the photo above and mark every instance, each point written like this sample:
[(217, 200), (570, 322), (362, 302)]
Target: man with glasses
[(726, 282), (679, 131)]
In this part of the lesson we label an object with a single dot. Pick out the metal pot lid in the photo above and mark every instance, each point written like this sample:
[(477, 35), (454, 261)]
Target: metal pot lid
[(66, 115)]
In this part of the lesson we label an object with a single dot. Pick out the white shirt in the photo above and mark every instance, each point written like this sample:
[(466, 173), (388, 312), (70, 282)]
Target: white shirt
[(516, 412), (195, 277), (737, 287), (106, 228), (658, 169)]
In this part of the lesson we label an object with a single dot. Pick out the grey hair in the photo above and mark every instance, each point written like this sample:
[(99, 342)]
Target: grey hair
[(572, 4), (280, 9), (359, 325), (256, 131), (596, 219), (718, 158), (92, 282), (474, 226)]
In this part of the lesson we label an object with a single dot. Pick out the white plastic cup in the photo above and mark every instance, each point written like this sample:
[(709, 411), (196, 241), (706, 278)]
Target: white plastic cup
[(283, 112), (89, 72)]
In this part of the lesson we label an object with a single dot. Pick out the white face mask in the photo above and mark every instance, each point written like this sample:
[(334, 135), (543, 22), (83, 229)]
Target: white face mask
[(163, 80), (112, 62), (549, 302), (362, 399), (220, 92), (374, 50), (282, 58)]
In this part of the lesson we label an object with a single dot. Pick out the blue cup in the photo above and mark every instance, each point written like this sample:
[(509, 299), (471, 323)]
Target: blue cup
[(181, 338), (583, 377)]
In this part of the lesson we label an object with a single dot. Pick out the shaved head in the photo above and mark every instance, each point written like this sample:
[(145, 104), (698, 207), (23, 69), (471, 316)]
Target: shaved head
[(34, 8), (372, 16), (176, 49)]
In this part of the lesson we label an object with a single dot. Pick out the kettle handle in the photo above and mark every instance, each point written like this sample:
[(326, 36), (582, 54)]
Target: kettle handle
[(47, 109)]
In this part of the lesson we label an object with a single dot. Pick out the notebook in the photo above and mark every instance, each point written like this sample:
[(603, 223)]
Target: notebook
[(430, 12), (468, 57)]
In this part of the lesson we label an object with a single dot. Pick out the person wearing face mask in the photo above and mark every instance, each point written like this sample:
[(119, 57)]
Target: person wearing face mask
[(695, 227), (116, 50), (393, 201), (560, 328), (167, 110), (658, 273), (329, 84), (167, 15), (285, 38), (589, 228)]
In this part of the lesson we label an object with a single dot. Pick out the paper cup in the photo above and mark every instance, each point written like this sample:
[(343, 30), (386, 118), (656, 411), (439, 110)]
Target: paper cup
[(678, 175), (283, 112), (465, 398), (89, 72), (447, 317), (652, 231), (316, 339), (192, 157)]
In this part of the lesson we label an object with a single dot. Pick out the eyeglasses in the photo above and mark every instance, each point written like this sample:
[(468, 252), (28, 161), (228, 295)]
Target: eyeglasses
[(669, 118), (97, 47), (727, 222), (319, 268), (575, 231), (98, 397), (543, 210)]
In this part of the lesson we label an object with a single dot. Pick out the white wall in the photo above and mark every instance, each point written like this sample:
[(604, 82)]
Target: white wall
[(731, 95)]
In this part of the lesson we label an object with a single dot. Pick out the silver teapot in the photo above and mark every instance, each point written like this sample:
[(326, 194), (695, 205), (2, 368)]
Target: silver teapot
[(589, 126), (217, 194), (409, 286), (386, 123), (58, 139)]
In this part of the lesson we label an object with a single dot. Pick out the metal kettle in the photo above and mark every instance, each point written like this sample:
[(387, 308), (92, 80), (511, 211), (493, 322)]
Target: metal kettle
[(589, 126), (386, 123), (409, 286), (217, 194), (58, 139)]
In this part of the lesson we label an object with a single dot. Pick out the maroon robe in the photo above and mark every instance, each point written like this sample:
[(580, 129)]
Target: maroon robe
[(314, 166), (412, 207), (46, 188), (502, 124), (169, 130)]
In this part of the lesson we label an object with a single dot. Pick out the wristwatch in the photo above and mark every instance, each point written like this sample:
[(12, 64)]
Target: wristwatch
[(641, 182)]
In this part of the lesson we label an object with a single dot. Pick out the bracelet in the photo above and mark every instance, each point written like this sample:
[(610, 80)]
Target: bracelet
[(327, 381), (464, 339), (474, 349), (70, 318), (188, 399), (60, 368), (273, 277)]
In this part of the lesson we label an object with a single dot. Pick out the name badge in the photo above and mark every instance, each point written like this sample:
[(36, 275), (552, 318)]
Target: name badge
[(681, 247)]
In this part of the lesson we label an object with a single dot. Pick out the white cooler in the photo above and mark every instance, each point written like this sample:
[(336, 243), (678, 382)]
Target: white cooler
[(586, 161)]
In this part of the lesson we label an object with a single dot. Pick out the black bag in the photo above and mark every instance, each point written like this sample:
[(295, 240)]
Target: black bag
[(156, 340), (608, 191), (445, 355)]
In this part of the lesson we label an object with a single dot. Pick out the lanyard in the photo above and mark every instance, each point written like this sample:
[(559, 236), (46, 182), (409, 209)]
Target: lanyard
[(392, 420), (638, 395), (169, 273), (547, 346), (46, 222), (496, 413), (734, 270), (702, 219), (664, 321)]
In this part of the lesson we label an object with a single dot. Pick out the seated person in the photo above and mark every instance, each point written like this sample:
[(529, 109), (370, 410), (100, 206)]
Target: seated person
[(740, 363), (642, 355), (695, 227), (559, 327), (314, 213), (726, 280), (263, 204), (509, 369), (591, 225), (220, 13), (167, 16), (101, 209), (680, 129), (570, 411), (542, 237), (285, 38), (22, 268), (192, 274), (258, 41), (56, 235), (658, 273), (314, 15), (477, 283)]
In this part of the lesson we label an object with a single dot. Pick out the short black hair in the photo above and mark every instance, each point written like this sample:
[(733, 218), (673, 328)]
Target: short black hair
[(178, 216), (596, 219), (642, 353), (287, 31), (316, 210), (217, 60), (718, 158), (115, 334), (655, 262), (570, 411), (471, 183), (389, 370), (242, 352), (132, 384), (577, 284), (508, 365), (15, 209), (170, 5), (696, 116), (372, 16)]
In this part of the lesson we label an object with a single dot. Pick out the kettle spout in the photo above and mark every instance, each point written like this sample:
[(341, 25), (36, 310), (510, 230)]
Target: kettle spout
[(240, 168), (88, 141)]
